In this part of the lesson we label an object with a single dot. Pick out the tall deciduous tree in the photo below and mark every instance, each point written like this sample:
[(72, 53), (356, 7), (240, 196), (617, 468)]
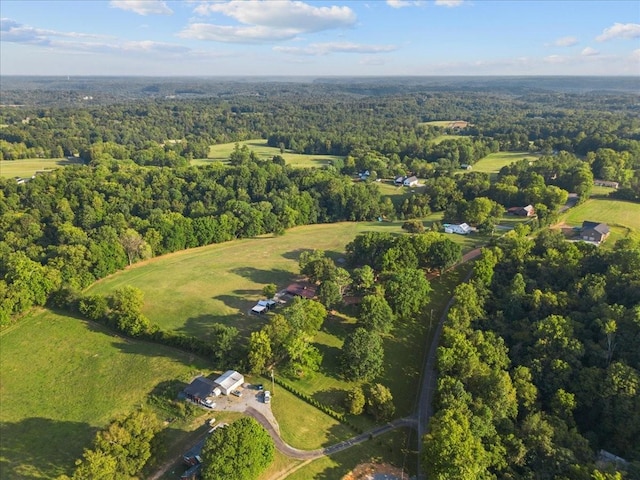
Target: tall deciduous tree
[(380, 402), (376, 314), (241, 450), (407, 292), (362, 355)]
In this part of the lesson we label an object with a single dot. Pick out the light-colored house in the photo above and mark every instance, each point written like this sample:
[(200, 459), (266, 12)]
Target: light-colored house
[(605, 183), (229, 381), (410, 181), (594, 232), (461, 229)]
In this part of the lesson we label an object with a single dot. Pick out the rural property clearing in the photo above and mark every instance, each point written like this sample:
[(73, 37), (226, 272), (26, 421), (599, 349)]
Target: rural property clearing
[(221, 152)]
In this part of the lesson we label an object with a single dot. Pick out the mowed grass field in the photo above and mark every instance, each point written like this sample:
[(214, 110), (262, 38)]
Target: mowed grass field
[(189, 290), (221, 152), (493, 162), (622, 217), (63, 379), (27, 167)]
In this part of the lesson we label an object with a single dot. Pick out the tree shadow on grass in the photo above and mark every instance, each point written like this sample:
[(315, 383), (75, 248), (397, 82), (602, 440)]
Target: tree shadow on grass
[(330, 358), (201, 325), (277, 276), (334, 398), (42, 448)]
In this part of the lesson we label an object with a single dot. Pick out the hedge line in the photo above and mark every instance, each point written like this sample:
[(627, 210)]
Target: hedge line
[(320, 406)]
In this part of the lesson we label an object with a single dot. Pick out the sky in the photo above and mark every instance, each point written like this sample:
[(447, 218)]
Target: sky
[(316, 38)]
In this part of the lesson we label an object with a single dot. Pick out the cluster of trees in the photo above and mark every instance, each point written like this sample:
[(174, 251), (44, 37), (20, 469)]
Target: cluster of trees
[(286, 340), (77, 224), (539, 365), (121, 451), (243, 450)]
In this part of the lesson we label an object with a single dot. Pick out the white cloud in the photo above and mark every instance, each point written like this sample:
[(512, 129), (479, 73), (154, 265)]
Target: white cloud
[(285, 14), (14, 32), (449, 3), (565, 41), (635, 55), (620, 30), (555, 59), (404, 3), (229, 34), (315, 49), (143, 7), (589, 52)]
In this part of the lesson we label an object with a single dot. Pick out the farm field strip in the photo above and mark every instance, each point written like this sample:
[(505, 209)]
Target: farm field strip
[(221, 152), (28, 167)]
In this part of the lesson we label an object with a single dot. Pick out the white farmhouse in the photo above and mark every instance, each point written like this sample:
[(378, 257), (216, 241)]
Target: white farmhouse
[(461, 229)]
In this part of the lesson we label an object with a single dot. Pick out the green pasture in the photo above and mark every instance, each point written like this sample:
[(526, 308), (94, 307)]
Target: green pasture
[(188, 291), (28, 167), (221, 152), (304, 426), (446, 136), (63, 379), (622, 217), (493, 162), (599, 191)]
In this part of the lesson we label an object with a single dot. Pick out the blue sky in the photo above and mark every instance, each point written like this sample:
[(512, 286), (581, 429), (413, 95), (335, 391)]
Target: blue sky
[(332, 37)]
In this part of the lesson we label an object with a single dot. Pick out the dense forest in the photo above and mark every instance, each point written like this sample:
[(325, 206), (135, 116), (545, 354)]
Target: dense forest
[(539, 364)]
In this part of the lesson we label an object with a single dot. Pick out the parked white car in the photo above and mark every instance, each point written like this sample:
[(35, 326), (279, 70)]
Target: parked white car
[(267, 396)]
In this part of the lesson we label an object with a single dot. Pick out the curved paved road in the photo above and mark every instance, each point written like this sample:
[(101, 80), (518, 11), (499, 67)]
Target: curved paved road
[(292, 452)]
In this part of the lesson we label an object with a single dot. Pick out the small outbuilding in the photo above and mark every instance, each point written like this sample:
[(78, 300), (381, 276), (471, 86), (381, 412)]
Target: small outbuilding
[(259, 309), (229, 381)]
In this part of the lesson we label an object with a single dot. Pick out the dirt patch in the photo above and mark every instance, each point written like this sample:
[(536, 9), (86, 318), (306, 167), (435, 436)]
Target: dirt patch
[(375, 471)]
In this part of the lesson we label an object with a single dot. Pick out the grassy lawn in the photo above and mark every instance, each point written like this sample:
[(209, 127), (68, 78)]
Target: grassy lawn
[(304, 426), (622, 217), (222, 151), (62, 380), (189, 290), (613, 212), (388, 448), (27, 167), (493, 162)]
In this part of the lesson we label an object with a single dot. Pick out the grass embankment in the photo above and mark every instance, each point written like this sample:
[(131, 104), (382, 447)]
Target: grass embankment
[(493, 162), (221, 152), (63, 379), (26, 168), (622, 217)]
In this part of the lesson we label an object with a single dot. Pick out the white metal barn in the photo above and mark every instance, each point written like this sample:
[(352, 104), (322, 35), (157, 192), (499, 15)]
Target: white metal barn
[(229, 381)]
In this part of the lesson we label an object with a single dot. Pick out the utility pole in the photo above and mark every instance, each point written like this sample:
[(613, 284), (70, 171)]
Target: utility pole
[(273, 384)]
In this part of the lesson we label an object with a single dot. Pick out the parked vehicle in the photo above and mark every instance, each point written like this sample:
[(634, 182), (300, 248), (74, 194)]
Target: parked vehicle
[(267, 396), (236, 393)]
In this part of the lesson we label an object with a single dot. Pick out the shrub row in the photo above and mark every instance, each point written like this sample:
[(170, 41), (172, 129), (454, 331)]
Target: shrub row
[(320, 406)]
